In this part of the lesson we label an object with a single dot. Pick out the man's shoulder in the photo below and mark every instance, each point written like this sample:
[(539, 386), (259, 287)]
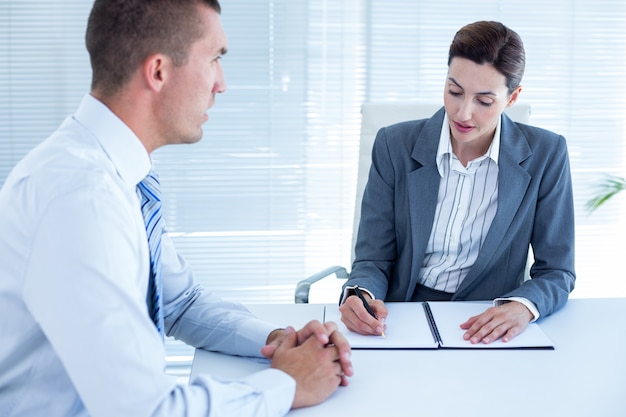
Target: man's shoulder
[(63, 166)]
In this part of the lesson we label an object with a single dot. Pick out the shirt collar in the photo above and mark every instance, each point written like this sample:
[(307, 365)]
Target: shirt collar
[(122, 146), (445, 145)]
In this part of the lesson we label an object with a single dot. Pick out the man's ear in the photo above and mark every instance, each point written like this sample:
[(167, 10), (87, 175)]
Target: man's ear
[(155, 71), (514, 96)]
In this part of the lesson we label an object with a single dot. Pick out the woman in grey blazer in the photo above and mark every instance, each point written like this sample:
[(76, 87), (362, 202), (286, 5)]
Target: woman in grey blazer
[(453, 203)]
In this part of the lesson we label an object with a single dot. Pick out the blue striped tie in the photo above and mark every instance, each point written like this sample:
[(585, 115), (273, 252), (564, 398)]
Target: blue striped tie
[(150, 189)]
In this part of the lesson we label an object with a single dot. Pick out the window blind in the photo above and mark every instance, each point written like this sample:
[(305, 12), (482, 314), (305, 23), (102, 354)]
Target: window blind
[(44, 71)]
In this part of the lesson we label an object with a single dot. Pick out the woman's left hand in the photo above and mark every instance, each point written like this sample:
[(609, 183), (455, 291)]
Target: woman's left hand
[(504, 321)]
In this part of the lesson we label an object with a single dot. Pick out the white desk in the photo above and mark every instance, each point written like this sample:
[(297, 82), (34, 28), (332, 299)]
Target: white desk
[(584, 376)]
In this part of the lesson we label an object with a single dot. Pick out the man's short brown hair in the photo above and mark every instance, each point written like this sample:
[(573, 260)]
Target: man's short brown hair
[(121, 34)]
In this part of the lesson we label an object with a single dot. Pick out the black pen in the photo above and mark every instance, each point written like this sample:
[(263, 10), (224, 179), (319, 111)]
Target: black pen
[(359, 294)]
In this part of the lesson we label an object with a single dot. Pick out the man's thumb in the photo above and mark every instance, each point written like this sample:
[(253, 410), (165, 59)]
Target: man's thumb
[(290, 340)]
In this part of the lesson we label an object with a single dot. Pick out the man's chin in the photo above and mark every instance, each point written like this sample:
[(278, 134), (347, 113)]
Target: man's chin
[(191, 139)]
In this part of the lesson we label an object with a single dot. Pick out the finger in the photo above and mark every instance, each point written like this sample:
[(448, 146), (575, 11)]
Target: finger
[(477, 324), (289, 341), (379, 308), (274, 339), (332, 353), (490, 333), (480, 328), (269, 350), (518, 327), (469, 322), (348, 316), (493, 335), (361, 321), (355, 324), (511, 333), (344, 351), (331, 327), (341, 370), (314, 327), (377, 323)]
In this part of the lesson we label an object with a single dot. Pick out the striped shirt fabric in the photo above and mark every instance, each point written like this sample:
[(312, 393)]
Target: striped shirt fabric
[(466, 205)]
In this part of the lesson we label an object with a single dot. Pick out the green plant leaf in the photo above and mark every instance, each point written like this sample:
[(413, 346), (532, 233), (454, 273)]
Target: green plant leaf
[(607, 189)]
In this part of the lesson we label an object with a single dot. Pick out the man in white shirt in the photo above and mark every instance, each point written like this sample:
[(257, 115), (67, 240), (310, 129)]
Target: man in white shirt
[(77, 337)]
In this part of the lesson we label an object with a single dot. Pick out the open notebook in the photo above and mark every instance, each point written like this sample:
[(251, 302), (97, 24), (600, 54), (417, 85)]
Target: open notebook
[(434, 325)]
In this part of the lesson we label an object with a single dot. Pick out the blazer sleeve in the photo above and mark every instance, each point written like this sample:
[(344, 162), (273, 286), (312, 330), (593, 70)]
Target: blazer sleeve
[(553, 235), (375, 249)]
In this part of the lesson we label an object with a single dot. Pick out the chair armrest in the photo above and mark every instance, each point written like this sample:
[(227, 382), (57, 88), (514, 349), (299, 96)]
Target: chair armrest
[(303, 287)]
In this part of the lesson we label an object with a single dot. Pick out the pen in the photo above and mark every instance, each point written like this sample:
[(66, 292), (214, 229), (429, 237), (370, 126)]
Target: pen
[(359, 294)]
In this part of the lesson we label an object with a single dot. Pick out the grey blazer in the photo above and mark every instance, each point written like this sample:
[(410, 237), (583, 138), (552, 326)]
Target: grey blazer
[(535, 207)]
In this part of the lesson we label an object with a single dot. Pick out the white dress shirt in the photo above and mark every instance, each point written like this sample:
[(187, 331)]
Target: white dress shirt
[(466, 205), (76, 336)]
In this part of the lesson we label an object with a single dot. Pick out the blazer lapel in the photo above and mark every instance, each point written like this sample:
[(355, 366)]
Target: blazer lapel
[(423, 188), (513, 181)]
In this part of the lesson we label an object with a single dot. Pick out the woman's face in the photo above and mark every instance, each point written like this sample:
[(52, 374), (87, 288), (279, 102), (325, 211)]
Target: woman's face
[(474, 97)]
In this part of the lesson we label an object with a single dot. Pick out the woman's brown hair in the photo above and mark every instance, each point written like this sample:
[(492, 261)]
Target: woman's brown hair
[(488, 42)]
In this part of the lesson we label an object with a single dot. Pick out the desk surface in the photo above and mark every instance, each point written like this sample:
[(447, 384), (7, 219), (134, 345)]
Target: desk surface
[(584, 376)]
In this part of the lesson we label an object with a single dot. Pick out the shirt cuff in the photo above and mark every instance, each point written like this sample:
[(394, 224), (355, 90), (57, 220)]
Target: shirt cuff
[(529, 305), (267, 393), (348, 291), (278, 387)]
